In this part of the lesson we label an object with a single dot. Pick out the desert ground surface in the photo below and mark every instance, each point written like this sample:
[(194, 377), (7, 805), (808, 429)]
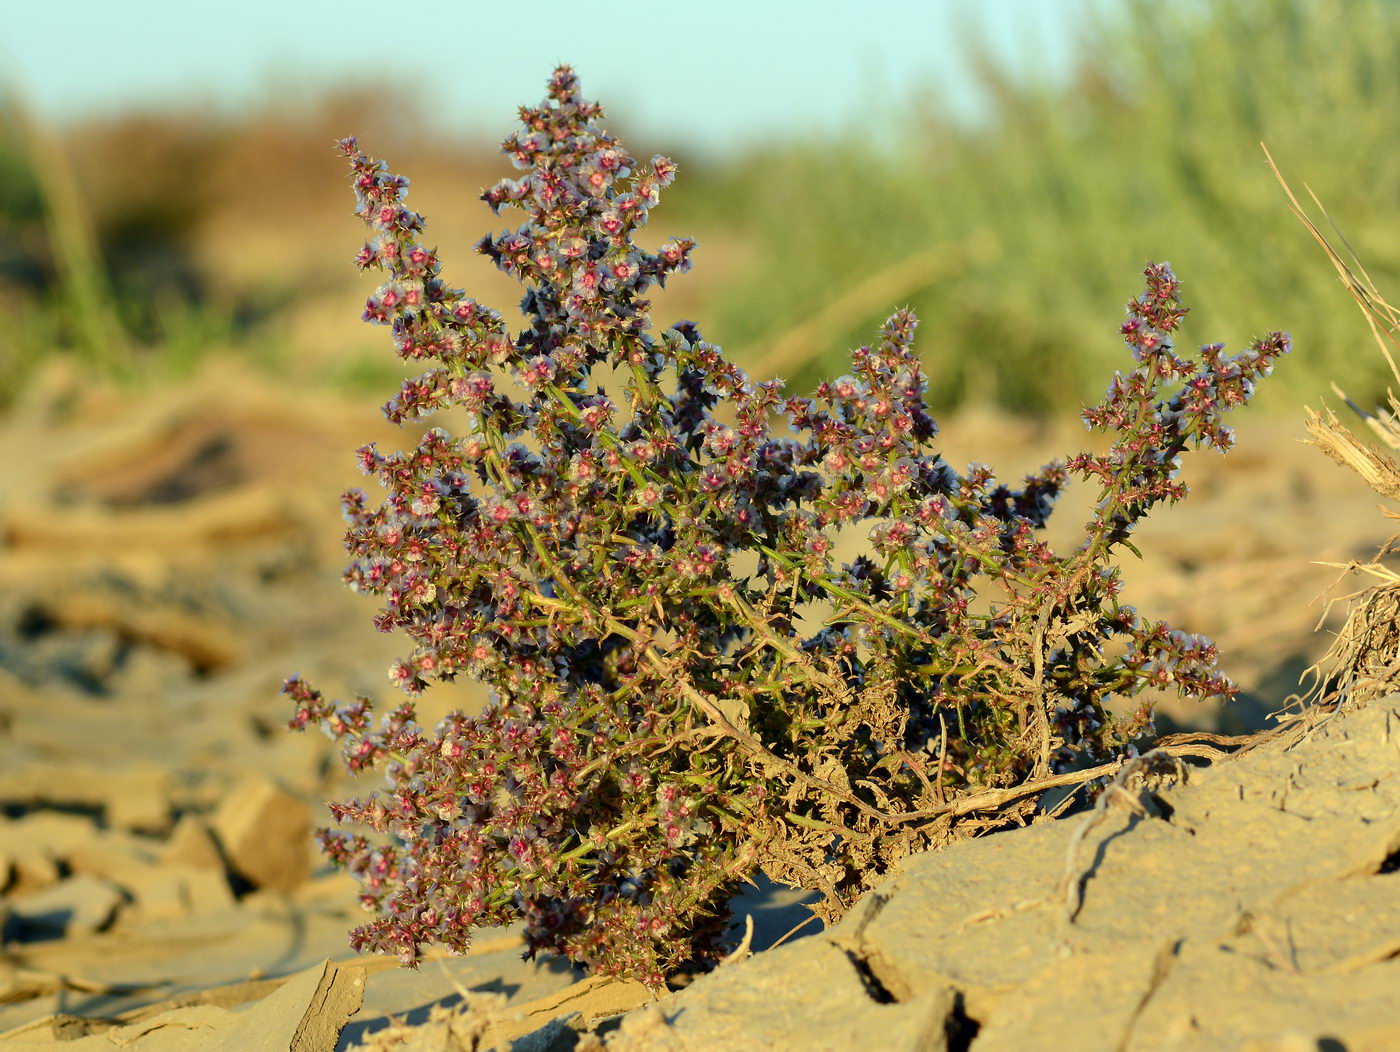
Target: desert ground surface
[(167, 558)]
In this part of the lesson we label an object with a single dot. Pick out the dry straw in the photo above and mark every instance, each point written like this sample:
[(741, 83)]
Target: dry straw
[(1364, 661)]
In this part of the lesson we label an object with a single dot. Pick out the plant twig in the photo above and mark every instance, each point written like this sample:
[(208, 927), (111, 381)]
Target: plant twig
[(1073, 883)]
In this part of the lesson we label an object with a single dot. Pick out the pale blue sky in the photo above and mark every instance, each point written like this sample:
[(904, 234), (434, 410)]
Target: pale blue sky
[(713, 71)]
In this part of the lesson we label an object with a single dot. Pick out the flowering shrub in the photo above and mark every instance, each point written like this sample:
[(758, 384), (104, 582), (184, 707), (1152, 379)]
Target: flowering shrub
[(689, 685)]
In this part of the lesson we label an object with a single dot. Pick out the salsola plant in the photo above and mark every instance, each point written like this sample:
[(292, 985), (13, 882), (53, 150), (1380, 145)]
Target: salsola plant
[(635, 546)]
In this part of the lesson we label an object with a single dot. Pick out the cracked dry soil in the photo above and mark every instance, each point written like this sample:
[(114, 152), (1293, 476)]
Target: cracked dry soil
[(1263, 913)]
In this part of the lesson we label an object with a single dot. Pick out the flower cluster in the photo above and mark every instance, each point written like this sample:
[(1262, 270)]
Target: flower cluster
[(620, 545)]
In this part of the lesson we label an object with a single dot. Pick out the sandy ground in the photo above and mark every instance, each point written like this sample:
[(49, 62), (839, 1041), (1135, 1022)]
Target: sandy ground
[(166, 560)]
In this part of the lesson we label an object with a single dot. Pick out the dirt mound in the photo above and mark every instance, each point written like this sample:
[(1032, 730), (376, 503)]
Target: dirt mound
[(1258, 907)]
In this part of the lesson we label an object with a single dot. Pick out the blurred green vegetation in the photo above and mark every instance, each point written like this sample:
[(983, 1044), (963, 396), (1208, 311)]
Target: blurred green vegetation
[(1034, 229), (107, 280), (142, 245)]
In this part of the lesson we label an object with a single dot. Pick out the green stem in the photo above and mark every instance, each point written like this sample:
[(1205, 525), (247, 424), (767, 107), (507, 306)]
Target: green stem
[(609, 836)]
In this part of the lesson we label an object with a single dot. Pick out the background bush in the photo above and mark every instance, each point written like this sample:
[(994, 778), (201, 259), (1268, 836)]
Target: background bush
[(1009, 237), (1152, 149)]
